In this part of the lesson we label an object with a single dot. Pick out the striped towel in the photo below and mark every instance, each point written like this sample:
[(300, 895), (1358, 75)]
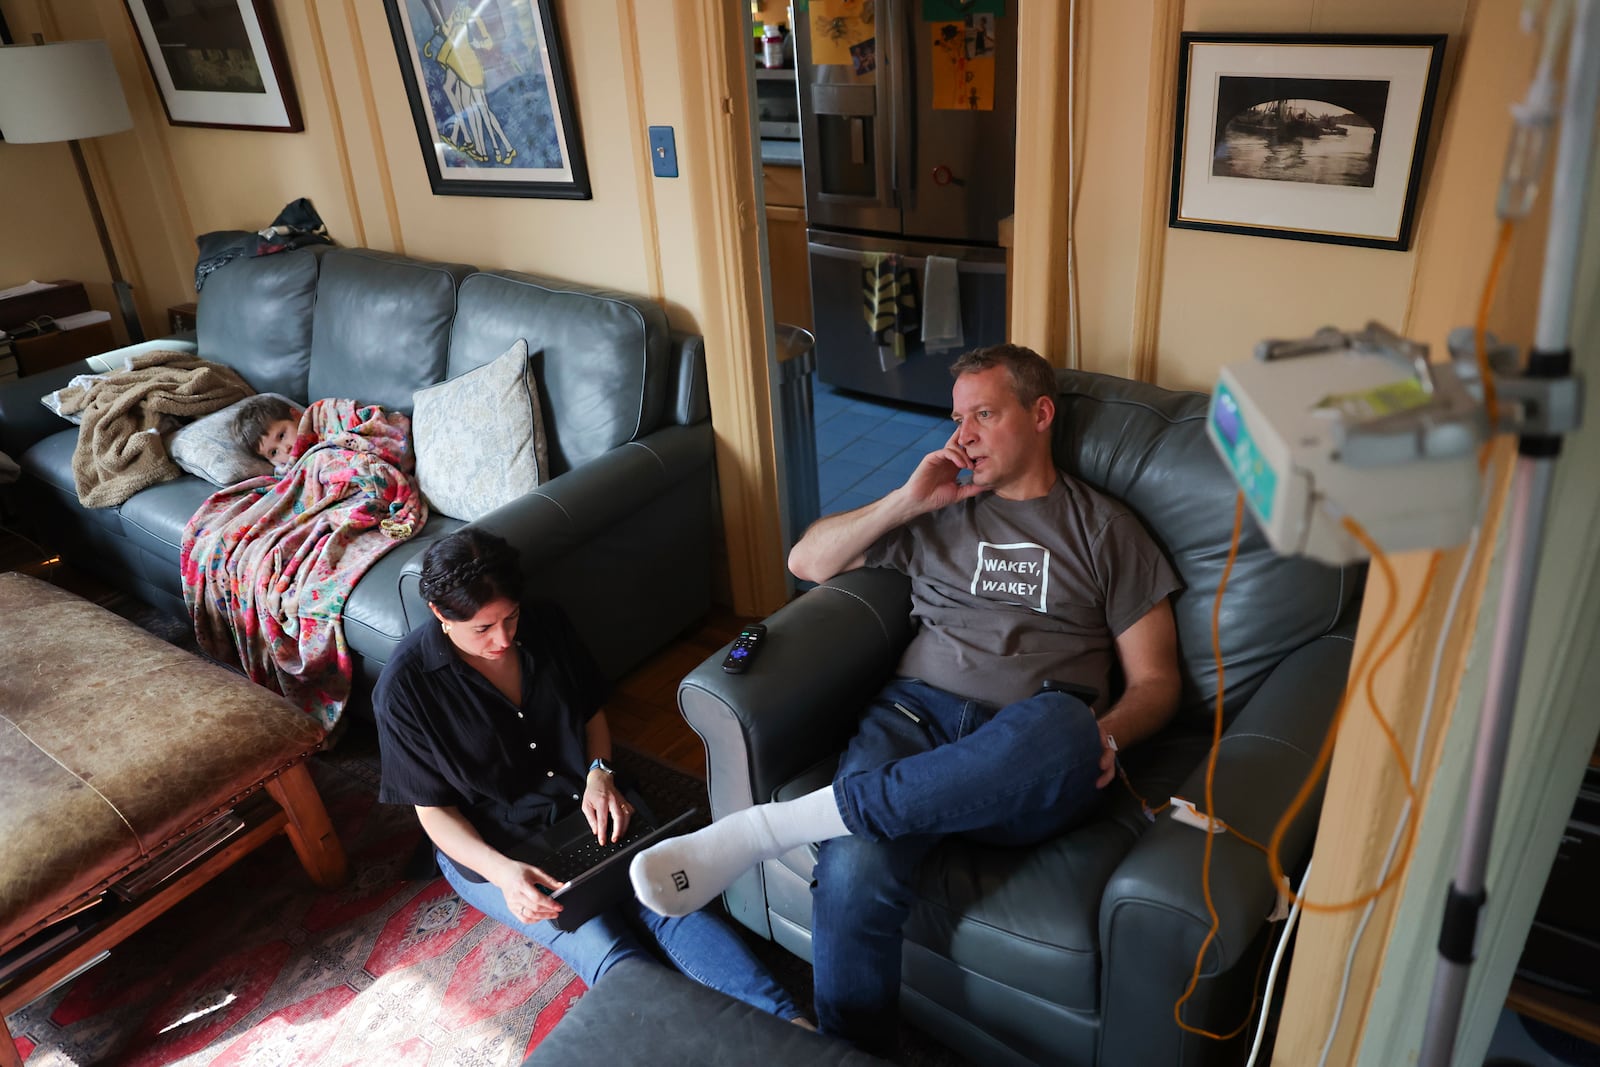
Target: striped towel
[(889, 304)]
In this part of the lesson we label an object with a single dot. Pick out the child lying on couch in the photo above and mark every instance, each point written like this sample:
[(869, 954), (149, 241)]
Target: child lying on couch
[(268, 563), (280, 433)]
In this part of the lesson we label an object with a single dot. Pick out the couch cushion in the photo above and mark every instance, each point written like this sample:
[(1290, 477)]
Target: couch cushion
[(50, 461), (375, 614), (382, 326), (154, 519), (479, 437), (604, 357), (255, 316), (1147, 446)]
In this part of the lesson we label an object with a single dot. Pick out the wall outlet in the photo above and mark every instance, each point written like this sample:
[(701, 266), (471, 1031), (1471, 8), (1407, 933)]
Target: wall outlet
[(663, 152)]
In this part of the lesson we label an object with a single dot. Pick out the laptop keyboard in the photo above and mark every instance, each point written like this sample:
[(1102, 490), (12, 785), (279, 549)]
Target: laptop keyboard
[(584, 853)]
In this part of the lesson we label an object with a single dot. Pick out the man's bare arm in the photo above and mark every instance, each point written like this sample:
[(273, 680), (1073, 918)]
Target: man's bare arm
[(838, 543), (1148, 651)]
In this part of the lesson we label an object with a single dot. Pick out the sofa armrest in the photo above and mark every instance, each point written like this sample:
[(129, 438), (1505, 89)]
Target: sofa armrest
[(824, 657), (117, 358), (1153, 914), (572, 507), (690, 395), (24, 422)]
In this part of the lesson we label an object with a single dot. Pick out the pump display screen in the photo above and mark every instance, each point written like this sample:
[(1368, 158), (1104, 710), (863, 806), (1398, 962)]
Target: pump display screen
[(1225, 414)]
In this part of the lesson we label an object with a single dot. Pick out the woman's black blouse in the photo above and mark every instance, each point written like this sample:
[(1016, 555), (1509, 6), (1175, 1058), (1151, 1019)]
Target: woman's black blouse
[(449, 738)]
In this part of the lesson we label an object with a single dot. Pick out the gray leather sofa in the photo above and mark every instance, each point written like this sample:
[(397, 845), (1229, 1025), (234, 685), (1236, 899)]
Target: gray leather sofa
[(1073, 951), (620, 535)]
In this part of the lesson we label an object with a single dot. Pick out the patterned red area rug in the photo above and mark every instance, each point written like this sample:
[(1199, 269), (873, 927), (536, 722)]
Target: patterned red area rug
[(262, 968)]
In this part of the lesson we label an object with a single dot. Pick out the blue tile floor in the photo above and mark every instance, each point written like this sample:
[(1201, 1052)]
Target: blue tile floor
[(867, 446)]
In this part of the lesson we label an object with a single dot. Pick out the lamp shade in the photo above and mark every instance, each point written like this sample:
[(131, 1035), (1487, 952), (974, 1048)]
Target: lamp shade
[(62, 91)]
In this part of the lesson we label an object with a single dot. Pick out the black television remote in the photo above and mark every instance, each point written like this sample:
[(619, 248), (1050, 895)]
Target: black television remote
[(744, 649)]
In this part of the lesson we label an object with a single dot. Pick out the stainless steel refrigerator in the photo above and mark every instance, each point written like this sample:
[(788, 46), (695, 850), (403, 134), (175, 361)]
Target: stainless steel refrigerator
[(908, 129)]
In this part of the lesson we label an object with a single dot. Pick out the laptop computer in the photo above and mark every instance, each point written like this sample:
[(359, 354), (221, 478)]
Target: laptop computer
[(596, 875)]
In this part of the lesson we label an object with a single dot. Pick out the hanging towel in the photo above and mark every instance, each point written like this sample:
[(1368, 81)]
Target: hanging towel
[(941, 305), (889, 304)]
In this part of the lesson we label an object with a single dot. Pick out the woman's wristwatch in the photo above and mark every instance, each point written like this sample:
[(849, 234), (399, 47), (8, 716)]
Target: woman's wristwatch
[(601, 765)]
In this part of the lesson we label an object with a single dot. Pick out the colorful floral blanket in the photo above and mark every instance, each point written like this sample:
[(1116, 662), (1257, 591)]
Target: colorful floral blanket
[(268, 563)]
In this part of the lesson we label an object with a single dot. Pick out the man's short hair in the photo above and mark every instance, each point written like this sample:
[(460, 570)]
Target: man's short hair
[(1031, 374), (250, 422)]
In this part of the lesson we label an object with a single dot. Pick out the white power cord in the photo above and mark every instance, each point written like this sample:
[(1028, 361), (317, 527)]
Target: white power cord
[(1272, 972), (1467, 562)]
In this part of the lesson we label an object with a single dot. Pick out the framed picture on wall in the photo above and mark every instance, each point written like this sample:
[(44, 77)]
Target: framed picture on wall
[(1312, 137), (218, 63), (489, 96)]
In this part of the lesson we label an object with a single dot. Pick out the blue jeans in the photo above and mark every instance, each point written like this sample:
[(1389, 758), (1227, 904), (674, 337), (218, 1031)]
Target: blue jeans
[(699, 944), (1006, 776)]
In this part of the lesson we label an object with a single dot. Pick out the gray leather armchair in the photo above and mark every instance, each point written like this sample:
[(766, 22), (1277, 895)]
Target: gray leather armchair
[(1075, 950)]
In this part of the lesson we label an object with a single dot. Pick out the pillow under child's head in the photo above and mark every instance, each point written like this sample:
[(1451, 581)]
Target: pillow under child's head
[(212, 446)]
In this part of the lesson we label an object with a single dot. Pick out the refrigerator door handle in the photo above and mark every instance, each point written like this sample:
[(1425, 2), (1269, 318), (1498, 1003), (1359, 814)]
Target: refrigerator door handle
[(964, 266), (906, 107)]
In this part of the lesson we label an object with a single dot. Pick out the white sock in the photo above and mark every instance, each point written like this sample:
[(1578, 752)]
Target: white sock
[(685, 873)]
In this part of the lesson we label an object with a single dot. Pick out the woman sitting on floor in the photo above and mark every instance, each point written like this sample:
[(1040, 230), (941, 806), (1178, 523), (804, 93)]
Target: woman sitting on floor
[(491, 725)]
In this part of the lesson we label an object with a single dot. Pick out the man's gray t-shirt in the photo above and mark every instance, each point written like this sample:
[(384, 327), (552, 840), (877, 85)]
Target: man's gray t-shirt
[(1011, 592)]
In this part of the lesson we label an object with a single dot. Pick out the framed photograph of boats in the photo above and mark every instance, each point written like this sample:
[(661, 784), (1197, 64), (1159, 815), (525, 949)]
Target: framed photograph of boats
[(1313, 137), (218, 63), (489, 95)]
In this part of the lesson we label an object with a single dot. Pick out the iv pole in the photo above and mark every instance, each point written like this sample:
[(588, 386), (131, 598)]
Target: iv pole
[(1550, 359)]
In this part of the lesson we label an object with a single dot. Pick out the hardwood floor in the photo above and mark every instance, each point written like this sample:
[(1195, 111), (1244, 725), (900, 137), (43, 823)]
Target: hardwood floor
[(642, 711)]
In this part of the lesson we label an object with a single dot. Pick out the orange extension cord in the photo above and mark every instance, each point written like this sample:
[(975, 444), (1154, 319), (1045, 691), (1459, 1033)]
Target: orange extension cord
[(1359, 675)]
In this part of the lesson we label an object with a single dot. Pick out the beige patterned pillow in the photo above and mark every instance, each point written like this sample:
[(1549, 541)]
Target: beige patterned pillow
[(480, 437)]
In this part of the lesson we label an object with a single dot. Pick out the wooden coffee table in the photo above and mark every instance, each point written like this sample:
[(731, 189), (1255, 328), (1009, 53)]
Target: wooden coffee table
[(115, 749)]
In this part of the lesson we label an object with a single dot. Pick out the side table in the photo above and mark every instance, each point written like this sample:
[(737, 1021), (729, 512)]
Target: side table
[(60, 347), (181, 318)]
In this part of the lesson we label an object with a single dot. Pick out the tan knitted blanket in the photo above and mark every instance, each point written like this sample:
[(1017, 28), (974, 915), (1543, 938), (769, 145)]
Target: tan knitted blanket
[(120, 448)]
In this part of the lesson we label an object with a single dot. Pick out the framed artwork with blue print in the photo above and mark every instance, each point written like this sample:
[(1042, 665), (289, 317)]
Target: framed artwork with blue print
[(489, 96)]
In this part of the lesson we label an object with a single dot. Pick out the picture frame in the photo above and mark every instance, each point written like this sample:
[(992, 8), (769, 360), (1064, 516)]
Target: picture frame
[(1309, 137), (218, 63), (487, 84)]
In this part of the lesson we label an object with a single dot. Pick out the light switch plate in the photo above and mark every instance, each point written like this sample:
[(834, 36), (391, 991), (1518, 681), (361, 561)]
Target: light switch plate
[(663, 152)]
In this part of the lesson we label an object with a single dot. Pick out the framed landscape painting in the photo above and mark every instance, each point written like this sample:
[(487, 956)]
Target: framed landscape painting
[(217, 63), (1307, 136), (489, 97)]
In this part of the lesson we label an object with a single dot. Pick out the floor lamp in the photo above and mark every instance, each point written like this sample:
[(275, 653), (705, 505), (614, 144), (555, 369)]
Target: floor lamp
[(67, 91)]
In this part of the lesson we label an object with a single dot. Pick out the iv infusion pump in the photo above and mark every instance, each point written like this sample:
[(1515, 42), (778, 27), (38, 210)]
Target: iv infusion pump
[(1355, 424)]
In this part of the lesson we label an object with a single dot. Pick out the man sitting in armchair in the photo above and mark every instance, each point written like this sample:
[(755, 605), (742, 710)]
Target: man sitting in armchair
[(1029, 588)]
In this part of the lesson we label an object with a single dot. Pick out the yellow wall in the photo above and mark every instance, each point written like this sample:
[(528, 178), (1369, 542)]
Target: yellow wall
[(357, 160), (1212, 295)]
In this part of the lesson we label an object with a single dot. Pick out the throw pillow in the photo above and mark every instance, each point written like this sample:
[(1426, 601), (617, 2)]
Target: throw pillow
[(206, 449), (479, 437)]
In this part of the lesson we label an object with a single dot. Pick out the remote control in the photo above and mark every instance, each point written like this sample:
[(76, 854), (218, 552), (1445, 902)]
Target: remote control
[(744, 649)]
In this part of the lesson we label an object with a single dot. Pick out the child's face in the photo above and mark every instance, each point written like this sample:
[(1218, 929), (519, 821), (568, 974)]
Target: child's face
[(277, 444)]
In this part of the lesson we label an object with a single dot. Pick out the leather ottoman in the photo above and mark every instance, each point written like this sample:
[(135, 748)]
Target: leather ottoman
[(116, 747), (642, 1013)]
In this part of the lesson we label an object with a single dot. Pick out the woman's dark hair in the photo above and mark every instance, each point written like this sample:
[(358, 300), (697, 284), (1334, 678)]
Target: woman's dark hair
[(468, 569), (253, 416)]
